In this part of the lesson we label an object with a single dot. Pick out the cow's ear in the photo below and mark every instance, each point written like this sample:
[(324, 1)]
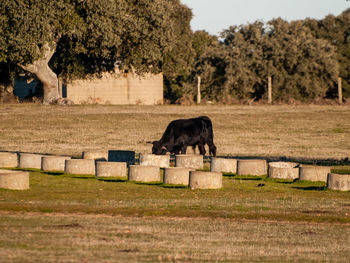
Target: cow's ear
[(149, 142)]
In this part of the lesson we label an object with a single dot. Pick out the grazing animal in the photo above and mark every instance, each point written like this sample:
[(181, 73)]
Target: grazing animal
[(186, 132)]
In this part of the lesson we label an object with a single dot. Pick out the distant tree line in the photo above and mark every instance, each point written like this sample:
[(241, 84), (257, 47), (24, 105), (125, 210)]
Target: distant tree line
[(74, 38), (303, 58)]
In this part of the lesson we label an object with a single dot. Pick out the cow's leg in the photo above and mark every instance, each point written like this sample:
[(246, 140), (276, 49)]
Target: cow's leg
[(177, 151), (212, 149), (183, 149), (201, 148)]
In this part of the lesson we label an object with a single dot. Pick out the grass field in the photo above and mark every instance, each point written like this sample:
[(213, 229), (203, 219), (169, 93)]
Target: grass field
[(75, 218)]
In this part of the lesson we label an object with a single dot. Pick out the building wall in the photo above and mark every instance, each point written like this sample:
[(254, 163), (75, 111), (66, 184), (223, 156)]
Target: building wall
[(115, 88)]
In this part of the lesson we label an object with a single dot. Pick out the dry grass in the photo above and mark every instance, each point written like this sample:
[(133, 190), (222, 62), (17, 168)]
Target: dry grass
[(293, 131), (90, 238), (72, 218)]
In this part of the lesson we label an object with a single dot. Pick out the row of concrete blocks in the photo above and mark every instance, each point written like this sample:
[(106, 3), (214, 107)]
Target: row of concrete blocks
[(282, 170), (181, 175)]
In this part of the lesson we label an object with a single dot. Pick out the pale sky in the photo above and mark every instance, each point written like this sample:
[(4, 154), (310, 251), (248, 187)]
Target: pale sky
[(216, 15)]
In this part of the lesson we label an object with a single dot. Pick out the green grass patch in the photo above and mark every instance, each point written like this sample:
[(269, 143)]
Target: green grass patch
[(242, 197)]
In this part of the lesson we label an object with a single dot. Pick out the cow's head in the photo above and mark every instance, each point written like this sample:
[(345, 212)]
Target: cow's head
[(158, 148)]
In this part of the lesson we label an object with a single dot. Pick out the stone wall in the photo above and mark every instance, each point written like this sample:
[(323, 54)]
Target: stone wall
[(116, 88)]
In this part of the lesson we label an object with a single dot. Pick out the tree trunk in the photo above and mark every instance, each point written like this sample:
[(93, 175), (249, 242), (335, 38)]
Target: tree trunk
[(47, 77)]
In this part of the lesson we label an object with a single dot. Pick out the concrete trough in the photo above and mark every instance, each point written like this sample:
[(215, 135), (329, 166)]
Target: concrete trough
[(176, 175), (205, 180), (339, 182), (223, 165), (79, 166), (284, 170), (255, 167), (30, 160), (111, 169), (189, 161), (100, 156), (14, 180), (121, 156), (142, 173), (314, 173), (8, 159), (155, 160), (53, 163)]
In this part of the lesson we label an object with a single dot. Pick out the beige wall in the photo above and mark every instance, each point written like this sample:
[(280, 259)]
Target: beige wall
[(117, 89)]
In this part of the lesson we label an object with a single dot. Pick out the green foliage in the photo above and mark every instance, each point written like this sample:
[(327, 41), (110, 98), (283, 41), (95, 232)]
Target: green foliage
[(95, 35), (301, 66), (336, 31), (304, 58)]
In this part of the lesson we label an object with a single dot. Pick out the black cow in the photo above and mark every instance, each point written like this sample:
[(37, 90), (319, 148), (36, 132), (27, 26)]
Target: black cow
[(186, 132)]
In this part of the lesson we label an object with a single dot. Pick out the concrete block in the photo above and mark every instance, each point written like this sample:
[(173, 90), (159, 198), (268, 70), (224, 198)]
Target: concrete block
[(155, 160), (284, 170), (80, 166), (53, 163), (205, 180), (223, 165), (141, 173), (30, 160), (176, 175), (255, 167), (189, 161), (14, 180), (99, 156), (314, 173), (8, 159), (111, 169), (339, 182)]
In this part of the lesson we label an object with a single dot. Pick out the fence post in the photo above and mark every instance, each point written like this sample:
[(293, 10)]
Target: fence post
[(199, 90), (340, 91), (269, 90)]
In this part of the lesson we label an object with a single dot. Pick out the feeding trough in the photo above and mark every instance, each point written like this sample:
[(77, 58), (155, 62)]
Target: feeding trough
[(79, 166), (155, 160), (9, 160), (339, 182), (223, 165), (142, 173), (314, 173), (14, 180), (255, 167), (111, 169), (205, 180), (53, 163), (176, 175), (189, 161), (100, 156), (30, 160), (121, 156), (284, 170)]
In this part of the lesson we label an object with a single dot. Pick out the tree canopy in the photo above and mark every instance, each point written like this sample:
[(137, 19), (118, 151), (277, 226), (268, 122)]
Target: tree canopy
[(74, 38), (90, 36)]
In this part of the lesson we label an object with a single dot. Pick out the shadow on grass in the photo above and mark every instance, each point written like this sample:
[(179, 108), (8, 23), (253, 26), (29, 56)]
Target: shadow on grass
[(285, 182), (113, 180), (54, 173), (84, 177), (246, 178), (150, 183), (310, 188), (175, 186)]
